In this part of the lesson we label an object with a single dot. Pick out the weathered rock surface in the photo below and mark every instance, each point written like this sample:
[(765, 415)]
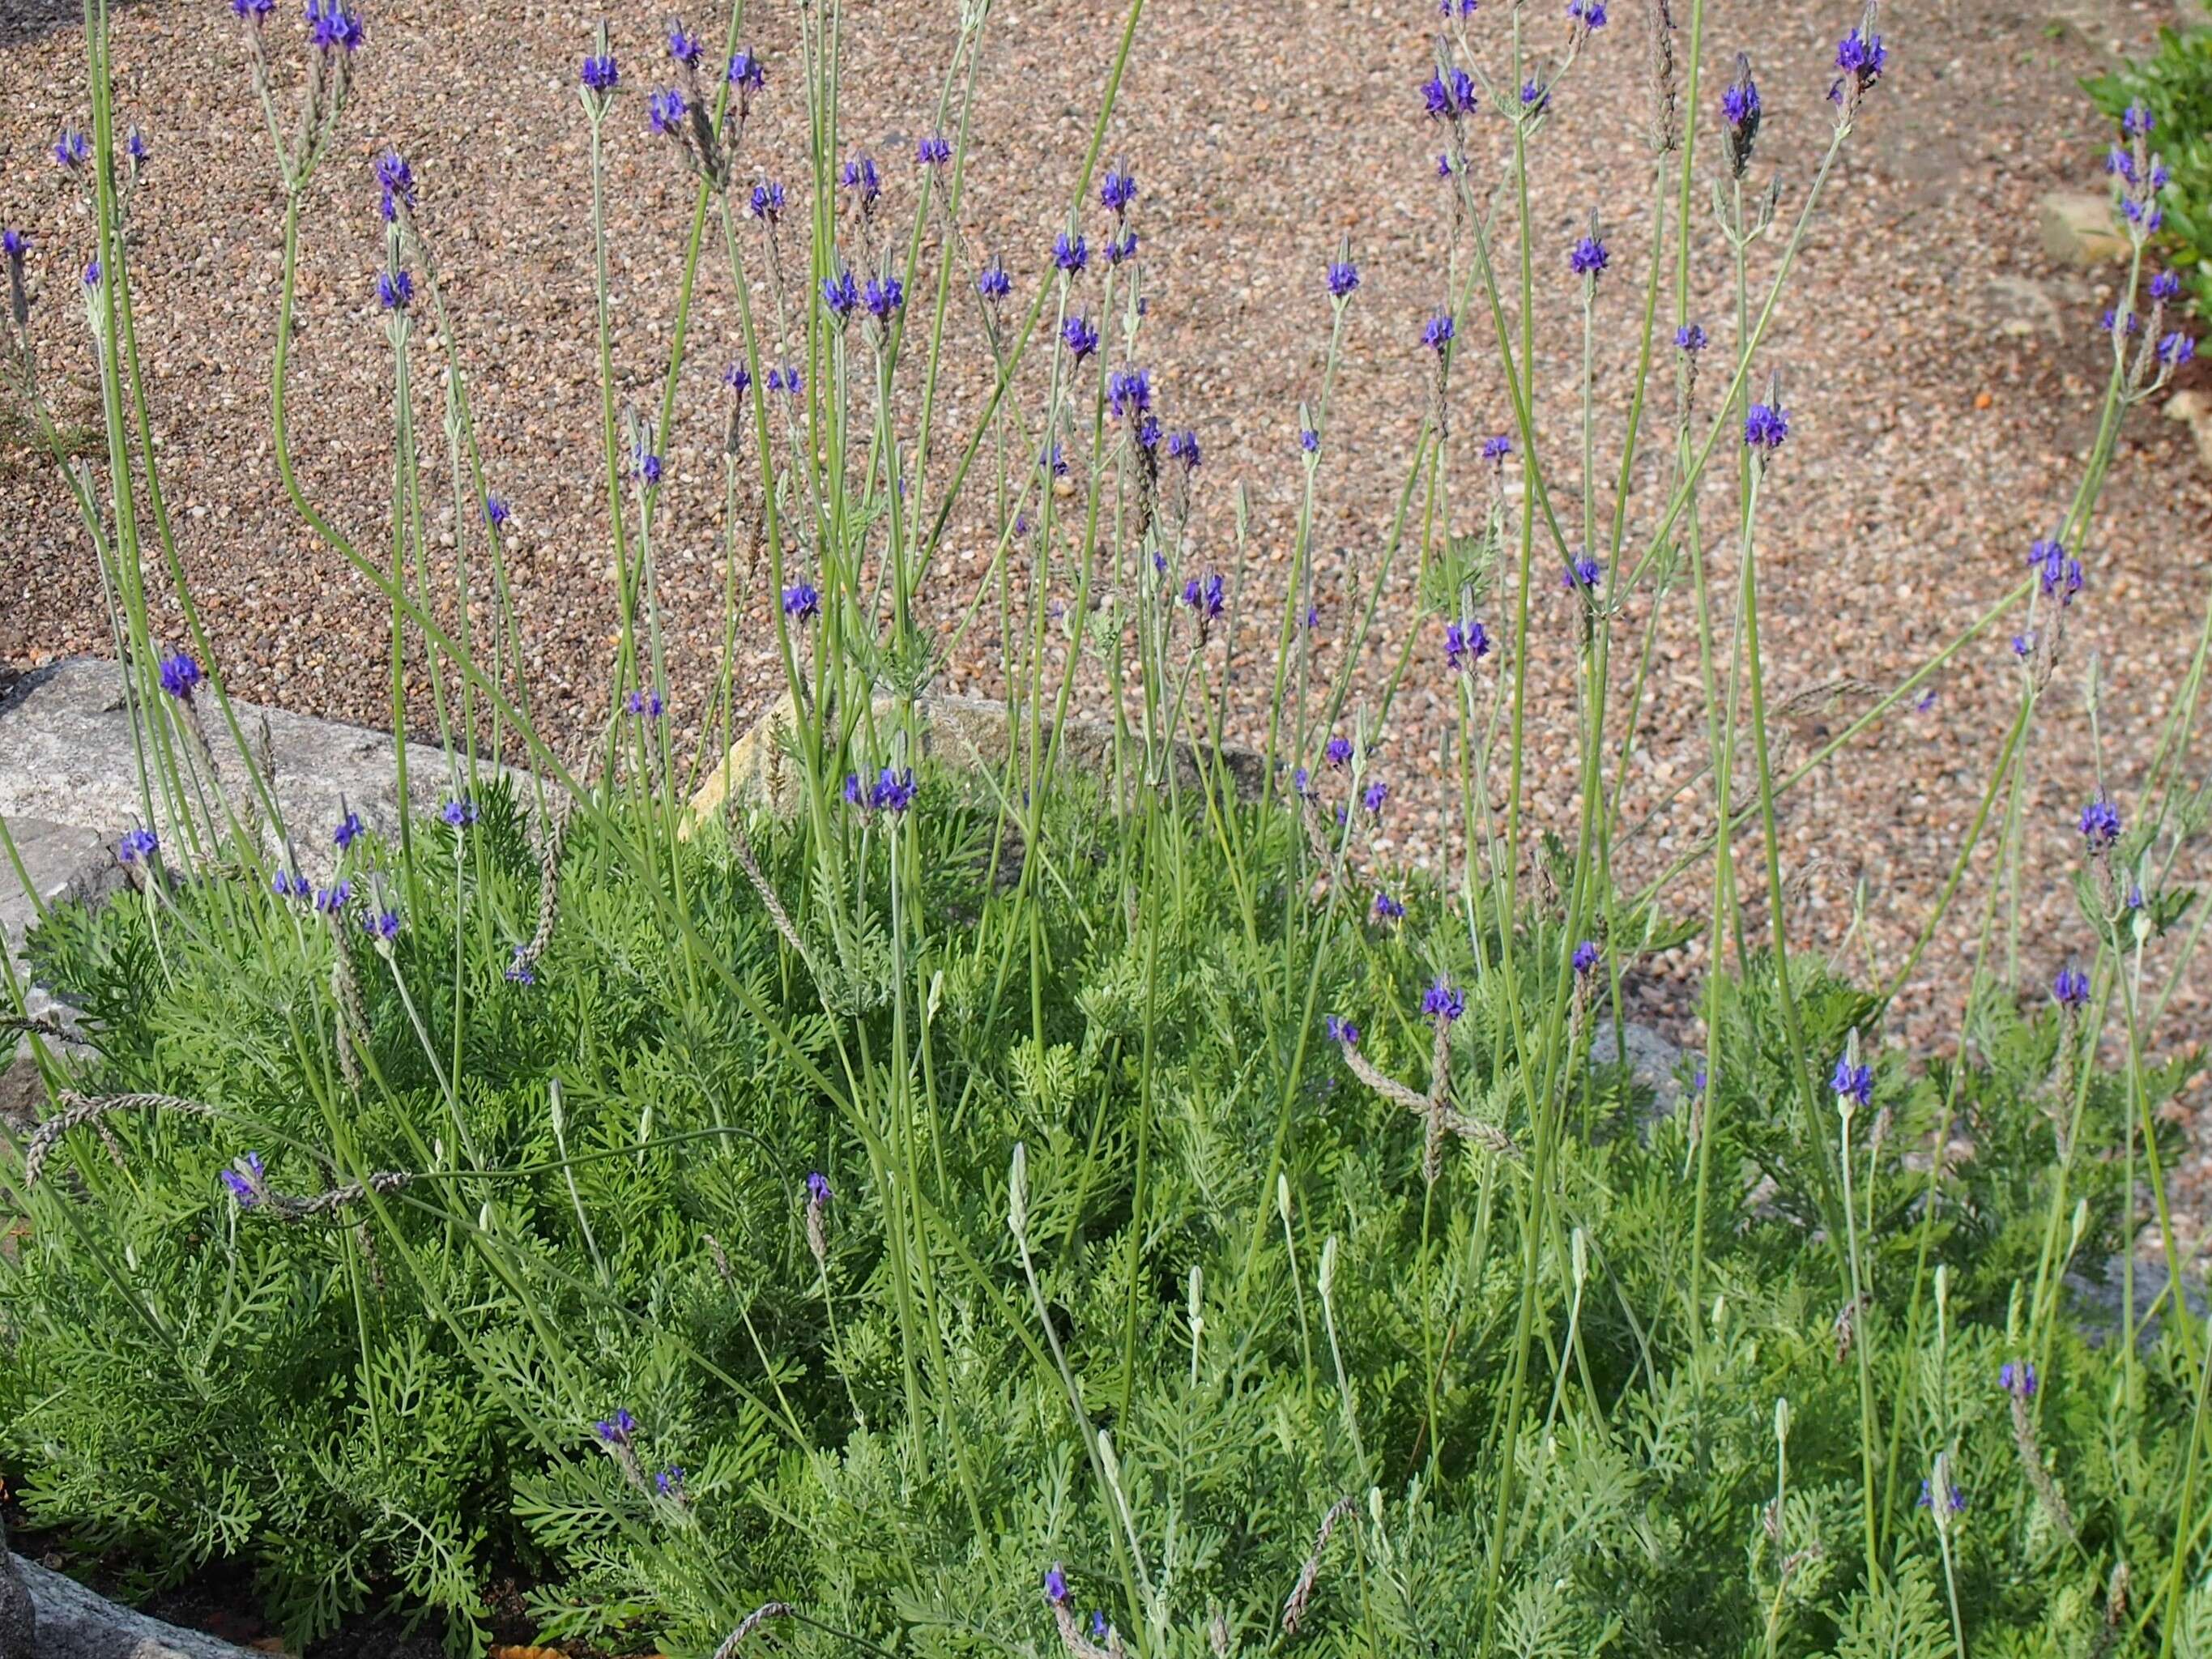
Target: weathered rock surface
[(75, 1623), (2194, 410), (61, 862), (2077, 227), (67, 756), (18, 1619), (965, 733)]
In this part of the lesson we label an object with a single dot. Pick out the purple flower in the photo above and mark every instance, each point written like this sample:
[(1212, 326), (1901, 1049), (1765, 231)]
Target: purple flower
[(1099, 1626), (1465, 645), (290, 886), (1117, 189), (1852, 1082), (331, 26), (92, 274), (669, 1483), (600, 73), (1206, 596), (2137, 121), (1121, 247), (1586, 957), (1302, 783), (2061, 576), (395, 182), (748, 74), (2070, 989), (789, 379), (2023, 644), (253, 10), (817, 1190), (1183, 447), (1373, 797), (1588, 257), (1766, 427), (883, 297), (1387, 909), (1690, 337), (349, 831), (2165, 286), (2176, 348), (1740, 99), (2126, 322), (1081, 339), (1055, 1586), (1591, 12), (991, 281), (894, 791), (645, 466), (1069, 252), (645, 705), (1956, 1501), (1496, 449), (1583, 574), (1343, 277), (1344, 1031), (1535, 98), (383, 925), (15, 245), (1449, 98), (801, 603), (2101, 824), (933, 152), (179, 675), (617, 1431), (738, 378), (768, 200), (1859, 56), (1739, 107), (685, 48), (1443, 1001), (459, 812), (861, 177), (669, 111), (520, 972), (245, 1182), (2017, 1378), (1438, 332), (332, 899), (1128, 392), (395, 289), (1337, 752), (1444, 165), (2149, 215), (1308, 439), (138, 846)]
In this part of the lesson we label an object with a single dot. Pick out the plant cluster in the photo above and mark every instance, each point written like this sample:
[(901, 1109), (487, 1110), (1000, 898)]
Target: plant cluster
[(1020, 1206)]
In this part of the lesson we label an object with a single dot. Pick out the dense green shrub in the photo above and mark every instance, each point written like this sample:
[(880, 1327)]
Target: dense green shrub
[(1041, 1203), (395, 1398)]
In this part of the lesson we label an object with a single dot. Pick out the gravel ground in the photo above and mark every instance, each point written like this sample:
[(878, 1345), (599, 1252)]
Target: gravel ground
[(1940, 367)]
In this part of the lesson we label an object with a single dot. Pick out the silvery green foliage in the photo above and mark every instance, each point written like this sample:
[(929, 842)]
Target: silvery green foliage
[(378, 1420)]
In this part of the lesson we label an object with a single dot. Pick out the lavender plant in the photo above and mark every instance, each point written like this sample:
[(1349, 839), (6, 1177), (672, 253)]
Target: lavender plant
[(899, 1205)]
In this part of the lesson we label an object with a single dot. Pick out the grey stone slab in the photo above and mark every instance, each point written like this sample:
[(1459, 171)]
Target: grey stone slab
[(1654, 1063), (62, 861), (75, 1623), (66, 756)]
